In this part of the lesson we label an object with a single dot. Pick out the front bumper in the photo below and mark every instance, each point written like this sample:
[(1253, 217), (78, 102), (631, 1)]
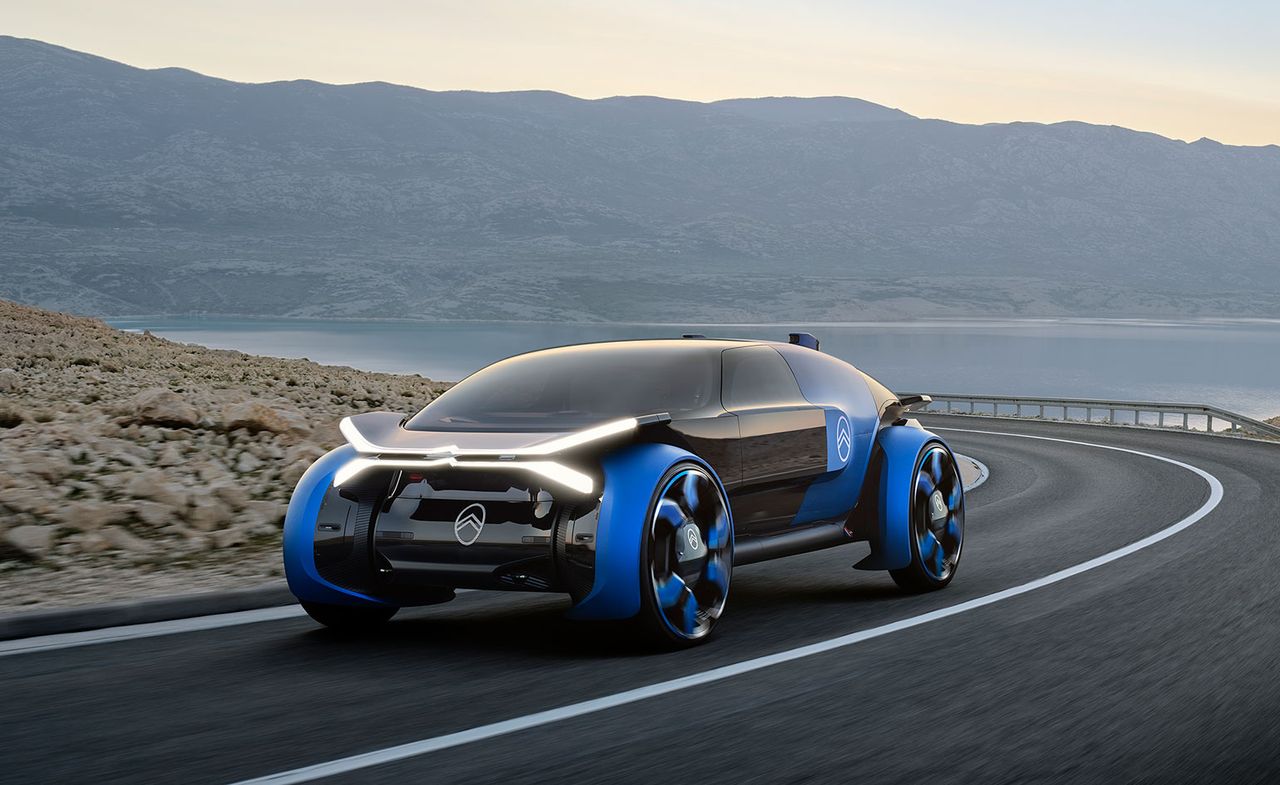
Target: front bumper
[(401, 536)]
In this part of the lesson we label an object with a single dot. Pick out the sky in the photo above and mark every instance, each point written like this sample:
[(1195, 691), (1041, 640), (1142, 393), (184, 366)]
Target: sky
[(1178, 68)]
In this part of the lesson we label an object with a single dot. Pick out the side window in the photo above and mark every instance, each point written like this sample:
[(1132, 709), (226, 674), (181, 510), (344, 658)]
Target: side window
[(757, 376)]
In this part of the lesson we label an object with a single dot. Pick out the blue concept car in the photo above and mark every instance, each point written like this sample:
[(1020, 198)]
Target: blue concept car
[(633, 476)]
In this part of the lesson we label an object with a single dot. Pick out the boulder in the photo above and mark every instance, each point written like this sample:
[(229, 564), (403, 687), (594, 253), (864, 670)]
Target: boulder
[(154, 514), (10, 381), (256, 416), (208, 515), (31, 542), (230, 494), (264, 513), (125, 540), (91, 515), (52, 466), (169, 456), (29, 497), (229, 538), (290, 474), (247, 463), (162, 407), (155, 485), (89, 542)]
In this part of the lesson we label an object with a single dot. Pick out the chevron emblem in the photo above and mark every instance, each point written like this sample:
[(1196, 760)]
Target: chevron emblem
[(844, 439), (469, 524)]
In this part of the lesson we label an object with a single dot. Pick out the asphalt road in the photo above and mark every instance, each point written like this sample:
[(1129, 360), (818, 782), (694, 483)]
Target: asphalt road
[(1161, 666)]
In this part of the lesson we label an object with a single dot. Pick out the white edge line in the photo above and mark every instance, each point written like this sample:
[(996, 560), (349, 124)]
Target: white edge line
[(128, 632), (479, 733), (69, 640)]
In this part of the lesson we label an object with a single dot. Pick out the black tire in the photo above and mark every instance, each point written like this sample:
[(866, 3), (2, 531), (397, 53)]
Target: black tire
[(349, 619), (937, 522), (682, 591)]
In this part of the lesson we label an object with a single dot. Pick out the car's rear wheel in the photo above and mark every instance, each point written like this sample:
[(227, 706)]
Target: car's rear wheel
[(349, 618), (937, 522), (686, 558)]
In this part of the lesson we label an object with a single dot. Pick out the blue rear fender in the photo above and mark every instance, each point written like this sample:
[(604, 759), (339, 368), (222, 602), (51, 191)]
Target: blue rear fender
[(631, 477), (900, 447), (299, 535)]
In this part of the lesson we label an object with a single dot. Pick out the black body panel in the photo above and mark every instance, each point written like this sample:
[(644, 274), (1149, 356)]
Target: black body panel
[(782, 439), (397, 534)]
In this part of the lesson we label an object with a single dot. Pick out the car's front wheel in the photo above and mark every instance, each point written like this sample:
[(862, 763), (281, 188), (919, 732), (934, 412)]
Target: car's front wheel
[(686, 558), (937, 522), (349, 618)]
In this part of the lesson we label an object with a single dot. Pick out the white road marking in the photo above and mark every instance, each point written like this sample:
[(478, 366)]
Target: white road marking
[(70, 640), (516, 724)]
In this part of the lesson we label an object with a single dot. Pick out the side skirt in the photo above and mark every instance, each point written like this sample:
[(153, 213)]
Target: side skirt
[(749, 550)]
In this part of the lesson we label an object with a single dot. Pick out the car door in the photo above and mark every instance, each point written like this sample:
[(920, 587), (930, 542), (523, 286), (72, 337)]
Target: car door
[(783, 439)]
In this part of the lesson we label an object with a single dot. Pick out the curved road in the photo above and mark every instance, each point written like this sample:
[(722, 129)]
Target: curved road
[(1162, 665)]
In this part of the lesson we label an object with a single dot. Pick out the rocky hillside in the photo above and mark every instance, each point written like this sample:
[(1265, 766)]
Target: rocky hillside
[(131, 191), (126, 454)]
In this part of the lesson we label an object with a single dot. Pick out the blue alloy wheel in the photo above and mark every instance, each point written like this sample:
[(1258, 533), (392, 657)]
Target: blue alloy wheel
[(688, 553), (937, 522)]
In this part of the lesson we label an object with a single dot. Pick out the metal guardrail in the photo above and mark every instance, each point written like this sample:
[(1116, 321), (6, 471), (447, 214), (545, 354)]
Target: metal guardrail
[(1140, 413)]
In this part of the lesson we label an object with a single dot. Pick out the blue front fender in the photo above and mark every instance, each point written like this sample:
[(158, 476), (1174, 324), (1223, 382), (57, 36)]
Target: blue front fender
[(631, 478), (900, 447), (300, 530)]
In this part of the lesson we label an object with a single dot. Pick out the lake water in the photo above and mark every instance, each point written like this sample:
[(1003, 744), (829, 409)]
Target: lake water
[(1235, 365)]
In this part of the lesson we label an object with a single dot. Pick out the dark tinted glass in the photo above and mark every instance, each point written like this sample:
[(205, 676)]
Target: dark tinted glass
[(573, 387), (758, 376)]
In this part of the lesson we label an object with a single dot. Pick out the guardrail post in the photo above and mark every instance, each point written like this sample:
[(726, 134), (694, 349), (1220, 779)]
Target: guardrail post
[(1186, 426), (1111, 416), (1208, 423)]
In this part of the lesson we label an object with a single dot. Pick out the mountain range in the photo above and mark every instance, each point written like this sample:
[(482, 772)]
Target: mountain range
[(132, 191)]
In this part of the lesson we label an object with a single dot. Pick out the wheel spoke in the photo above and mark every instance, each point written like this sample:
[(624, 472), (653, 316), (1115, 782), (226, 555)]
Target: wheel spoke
[(957, 493), (718, 533), (931, 553), (669, 513), (715, 572), (952, 531), (691, 494), (690, 617), (925, 485), (671, 589), (935, 467)]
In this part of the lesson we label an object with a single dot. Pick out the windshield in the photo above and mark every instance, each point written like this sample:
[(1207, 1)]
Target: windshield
[(577, 386)]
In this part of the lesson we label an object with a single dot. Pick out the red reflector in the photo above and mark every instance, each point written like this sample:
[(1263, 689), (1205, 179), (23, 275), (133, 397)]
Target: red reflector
[(415, 478)]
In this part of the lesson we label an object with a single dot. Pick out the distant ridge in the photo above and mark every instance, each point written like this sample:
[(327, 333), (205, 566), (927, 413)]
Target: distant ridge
[(826, 109), (126, 191)]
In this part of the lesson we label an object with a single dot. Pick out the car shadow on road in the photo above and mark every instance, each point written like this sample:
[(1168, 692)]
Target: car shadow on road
[(534, 626)]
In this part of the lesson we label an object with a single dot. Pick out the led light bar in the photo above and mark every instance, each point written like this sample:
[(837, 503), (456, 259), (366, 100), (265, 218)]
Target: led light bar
[(602, 431), (556, 472)]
